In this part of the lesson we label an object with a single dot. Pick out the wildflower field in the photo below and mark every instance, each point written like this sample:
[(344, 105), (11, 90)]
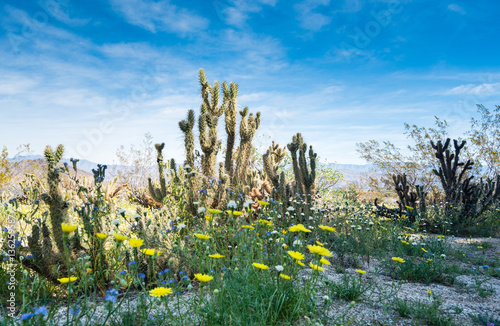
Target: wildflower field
[(248, 242)]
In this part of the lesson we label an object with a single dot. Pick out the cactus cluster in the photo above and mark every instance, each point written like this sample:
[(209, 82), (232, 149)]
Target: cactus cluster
[(237, 171)]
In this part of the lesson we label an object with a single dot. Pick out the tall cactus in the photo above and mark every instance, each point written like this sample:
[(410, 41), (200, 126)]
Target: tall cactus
[(247, 132), (271, 159), (159, 194), (230, 113), (207, 124), (54, 198), (293, 147), (308, 174), (452, 179), (186, 127)]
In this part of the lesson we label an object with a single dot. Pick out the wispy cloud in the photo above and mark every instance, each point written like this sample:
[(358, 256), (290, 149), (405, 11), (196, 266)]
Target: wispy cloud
[(485, 89), (238, 12), (308, 18), (456, 8), (160, 16)]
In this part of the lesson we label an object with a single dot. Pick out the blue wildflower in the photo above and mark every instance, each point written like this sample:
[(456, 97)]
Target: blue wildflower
[(41, 311), (142, 275), (75, 311), (110, 298), (26, 316)]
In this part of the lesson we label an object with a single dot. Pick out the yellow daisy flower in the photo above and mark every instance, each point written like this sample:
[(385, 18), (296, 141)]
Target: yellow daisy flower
[(327, 228), (204, 278), (260, 266), (120, 238), (65, 280), (135, 243), (399, 260), (150, 252), (160, 292), (216, 256), (316, 267), (296, 255), (68, 228), (202, 236), (319, 250), (285, 277), (101, 236)]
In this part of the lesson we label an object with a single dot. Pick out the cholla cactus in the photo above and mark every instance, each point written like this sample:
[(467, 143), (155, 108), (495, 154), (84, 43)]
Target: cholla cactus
[(308, 174), (159, 194), (207, 124), (247, 132), (293, 147), (230, 113), (54, 198), (186, 127)]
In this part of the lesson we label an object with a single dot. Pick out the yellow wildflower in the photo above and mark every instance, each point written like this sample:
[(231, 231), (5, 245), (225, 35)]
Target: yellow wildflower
[(216, 256), (399, 260), (160, 292), (68, 228), (260, 266), (150, 252), (285, 277), (202, 236), (361, 272), (319, 250), (327, 228), (299, 228), (316, 267), (101, 236), (120, 238), (324, 261), (214, 211), (204, 278), (295, 254), (136, 243), (65, 280), (248, 227), (263, 203)]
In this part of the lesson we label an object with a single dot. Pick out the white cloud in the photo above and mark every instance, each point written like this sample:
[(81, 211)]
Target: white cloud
[(456, 8), (485, 89), (160, 16), (309, 19), (238, 14)]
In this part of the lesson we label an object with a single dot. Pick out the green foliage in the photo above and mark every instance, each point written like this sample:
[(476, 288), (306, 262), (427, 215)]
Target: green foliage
[(5, 173), (425, 313)]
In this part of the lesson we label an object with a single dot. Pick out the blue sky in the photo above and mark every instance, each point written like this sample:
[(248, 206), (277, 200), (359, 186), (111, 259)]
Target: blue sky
[(94, 75)]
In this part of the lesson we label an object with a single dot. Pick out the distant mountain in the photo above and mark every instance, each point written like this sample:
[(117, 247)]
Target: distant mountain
[(351, 172), (83, 165)]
